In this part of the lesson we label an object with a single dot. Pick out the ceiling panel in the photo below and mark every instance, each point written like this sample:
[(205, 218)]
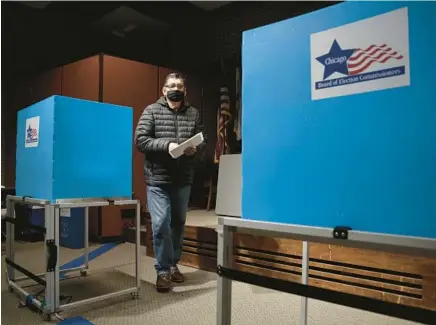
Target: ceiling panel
[(36, 4), (210, 5), (124, 20)]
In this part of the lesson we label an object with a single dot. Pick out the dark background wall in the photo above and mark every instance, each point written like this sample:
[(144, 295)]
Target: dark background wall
[(40, 35)]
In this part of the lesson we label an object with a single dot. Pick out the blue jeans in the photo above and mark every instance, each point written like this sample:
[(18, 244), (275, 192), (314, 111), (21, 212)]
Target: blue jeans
[(168, 205)]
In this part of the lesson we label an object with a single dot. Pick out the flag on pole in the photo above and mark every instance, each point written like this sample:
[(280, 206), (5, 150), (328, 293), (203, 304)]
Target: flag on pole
[(223, 119), (238, 107)]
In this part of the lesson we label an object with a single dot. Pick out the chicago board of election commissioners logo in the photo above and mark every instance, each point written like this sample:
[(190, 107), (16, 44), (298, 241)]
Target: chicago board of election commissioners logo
[(358, 64), (363, 56), (31, 134), (31, 139)]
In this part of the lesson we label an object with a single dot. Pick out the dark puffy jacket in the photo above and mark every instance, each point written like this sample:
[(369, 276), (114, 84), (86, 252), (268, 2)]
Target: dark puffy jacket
[(158, 126)]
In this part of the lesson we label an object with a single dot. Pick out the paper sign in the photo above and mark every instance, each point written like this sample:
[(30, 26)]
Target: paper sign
[(192, 142), (32, 132)]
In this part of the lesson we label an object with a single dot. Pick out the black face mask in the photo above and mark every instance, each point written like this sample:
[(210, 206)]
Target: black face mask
[(175, 95)]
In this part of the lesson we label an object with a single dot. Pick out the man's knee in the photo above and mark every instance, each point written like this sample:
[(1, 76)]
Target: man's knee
[(161, 227), (160, 223)]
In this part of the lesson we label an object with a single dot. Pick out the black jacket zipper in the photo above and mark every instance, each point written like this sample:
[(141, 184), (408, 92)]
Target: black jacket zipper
[(177, 128), (177, 137)]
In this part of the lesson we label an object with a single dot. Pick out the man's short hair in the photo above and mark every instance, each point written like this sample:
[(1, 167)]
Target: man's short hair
[(175, 75)]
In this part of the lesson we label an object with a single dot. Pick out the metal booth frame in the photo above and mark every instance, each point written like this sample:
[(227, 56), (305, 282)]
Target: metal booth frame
[(342, 236), (50, 278)]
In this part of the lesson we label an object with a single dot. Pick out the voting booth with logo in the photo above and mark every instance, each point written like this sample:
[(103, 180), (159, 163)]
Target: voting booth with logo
[(74, 149), (71, 154), (344, 100)]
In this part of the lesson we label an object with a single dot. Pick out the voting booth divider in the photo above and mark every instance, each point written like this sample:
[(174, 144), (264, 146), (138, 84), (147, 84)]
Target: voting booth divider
[(63, 154), (344, 98)]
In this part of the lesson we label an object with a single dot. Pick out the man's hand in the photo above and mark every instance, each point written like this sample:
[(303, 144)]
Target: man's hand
[(190, 151)]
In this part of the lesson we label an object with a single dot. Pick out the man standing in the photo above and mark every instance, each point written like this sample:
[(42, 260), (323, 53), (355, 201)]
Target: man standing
[(161, 127)]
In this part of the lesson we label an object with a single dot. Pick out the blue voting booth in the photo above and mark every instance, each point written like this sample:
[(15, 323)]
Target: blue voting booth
[(69, 148), (72, 154), (339, 119)]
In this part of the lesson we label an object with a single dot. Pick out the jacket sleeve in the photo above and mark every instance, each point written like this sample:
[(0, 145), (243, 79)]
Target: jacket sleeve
[(144, 135)]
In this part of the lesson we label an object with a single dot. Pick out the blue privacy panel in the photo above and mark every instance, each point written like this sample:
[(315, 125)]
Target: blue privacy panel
[(80, 149), (34, 154), (339, 119)]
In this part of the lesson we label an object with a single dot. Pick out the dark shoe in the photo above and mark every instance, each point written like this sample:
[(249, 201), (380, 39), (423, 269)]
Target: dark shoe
[(177, 276), (163, 283)]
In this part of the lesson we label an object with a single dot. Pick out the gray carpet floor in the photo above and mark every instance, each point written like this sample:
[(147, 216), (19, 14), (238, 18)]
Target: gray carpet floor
[(192, 303)]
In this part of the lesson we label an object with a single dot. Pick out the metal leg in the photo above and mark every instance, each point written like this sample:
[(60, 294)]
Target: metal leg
[(225, 256), (10, 238), (86, 237), (50, 301), (56, 278), (50, 306), (138, 246), (304, 280)]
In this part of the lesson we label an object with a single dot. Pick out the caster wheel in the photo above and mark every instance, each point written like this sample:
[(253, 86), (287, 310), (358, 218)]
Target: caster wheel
[(135, 296), (83, 273), (47, 317)]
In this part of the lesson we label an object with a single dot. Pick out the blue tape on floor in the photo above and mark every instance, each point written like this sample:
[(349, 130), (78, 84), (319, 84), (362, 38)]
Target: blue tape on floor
[(75, 321), (91, 255)]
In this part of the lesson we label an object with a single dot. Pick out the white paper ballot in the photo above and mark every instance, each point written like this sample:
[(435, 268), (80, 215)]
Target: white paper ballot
[(192, 142)]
